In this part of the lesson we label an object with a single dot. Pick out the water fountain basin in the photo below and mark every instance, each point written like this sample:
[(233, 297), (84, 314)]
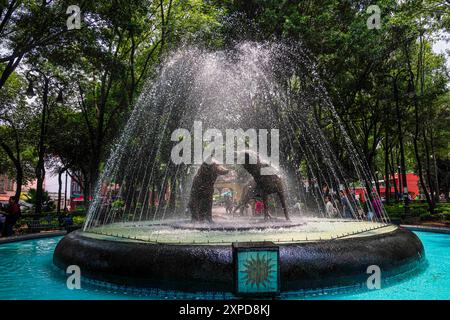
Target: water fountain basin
[(189, 265)]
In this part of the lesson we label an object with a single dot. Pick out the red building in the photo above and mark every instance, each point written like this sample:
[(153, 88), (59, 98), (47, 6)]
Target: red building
[(412, 181)]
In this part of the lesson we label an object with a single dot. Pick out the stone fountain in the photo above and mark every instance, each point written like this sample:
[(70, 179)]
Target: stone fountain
[(153, 224)]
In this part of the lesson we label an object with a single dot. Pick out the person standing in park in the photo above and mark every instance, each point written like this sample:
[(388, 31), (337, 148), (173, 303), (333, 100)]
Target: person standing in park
[(228, 204), (347, 211), (259, 207), (329, 208), (12, 215), (298, 207)]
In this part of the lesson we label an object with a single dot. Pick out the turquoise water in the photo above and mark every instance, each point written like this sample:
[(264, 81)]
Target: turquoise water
[(28, 273)]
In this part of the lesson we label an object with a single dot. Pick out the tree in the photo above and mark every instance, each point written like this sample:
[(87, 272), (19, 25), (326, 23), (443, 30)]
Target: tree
[(112, 63), (15, 123), (370, 75), (28, 27)]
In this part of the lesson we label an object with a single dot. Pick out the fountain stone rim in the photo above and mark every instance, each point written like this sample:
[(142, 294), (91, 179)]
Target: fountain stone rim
[(201, 267)]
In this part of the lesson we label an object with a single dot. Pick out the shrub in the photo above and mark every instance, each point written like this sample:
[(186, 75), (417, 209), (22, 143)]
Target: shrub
[(78, 220), (425, 216)]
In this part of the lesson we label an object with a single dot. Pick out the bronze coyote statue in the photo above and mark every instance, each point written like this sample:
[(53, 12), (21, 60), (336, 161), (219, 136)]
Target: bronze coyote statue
[(201, 197), (265, 184)]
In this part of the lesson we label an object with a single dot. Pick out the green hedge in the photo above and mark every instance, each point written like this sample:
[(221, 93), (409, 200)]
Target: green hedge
[(78, 217), (418, 209)]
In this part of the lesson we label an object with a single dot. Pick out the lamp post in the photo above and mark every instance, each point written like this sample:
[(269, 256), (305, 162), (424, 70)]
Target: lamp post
[(50, 83)]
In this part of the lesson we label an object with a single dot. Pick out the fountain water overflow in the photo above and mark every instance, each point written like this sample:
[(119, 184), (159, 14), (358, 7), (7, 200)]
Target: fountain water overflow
[(151, 215)]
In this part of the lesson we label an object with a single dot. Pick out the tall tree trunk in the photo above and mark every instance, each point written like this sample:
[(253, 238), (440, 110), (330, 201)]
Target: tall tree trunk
[(40, 167), (19, 180), (436, 174), (17, 165), (417, 132), (419, 162), (65, 194), (387, 180), (391, 165), (58, 206), (402, 172), (428, 164), (377, 183), (86, 193)]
